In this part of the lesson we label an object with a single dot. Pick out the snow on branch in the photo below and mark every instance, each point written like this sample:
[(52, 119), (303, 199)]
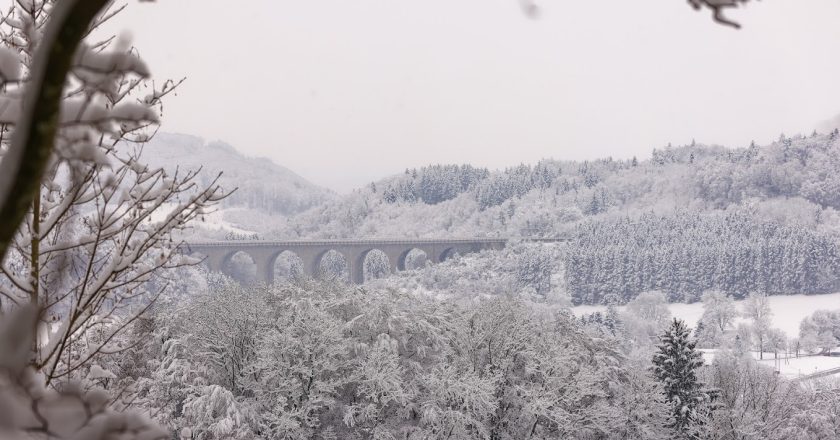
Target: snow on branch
[(718, 7)]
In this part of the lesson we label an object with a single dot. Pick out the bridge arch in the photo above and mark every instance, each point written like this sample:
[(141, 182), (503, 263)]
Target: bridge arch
[(447, 253), (332, 264), (371, 264), (411, 259), (241, 266), (287, 266)]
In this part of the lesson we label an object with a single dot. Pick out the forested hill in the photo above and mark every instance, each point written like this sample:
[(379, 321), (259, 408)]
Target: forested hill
[(685, 220), (262, 185), (793, 181), (686, 254)]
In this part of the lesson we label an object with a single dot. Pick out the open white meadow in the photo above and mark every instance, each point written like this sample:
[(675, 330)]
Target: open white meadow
[(788, 311)]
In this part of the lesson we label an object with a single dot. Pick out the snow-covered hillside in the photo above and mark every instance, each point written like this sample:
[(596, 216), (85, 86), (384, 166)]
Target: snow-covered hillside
[(687, 220), (262, 185), (791, 182)]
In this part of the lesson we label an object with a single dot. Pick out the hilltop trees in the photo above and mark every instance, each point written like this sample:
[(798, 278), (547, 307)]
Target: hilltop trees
[(751, 219), (433, 184)]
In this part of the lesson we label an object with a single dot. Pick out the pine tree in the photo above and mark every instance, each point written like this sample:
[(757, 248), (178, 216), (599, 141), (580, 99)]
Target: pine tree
[(675, 366)]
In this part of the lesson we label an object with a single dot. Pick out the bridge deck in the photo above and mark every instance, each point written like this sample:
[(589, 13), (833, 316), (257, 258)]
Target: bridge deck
[(370, 241)]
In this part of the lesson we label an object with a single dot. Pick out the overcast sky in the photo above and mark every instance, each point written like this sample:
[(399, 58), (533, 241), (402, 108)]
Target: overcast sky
[(347, 91)]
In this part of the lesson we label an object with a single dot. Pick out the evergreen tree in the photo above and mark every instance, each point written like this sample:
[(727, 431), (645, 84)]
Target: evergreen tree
[(675, 365)]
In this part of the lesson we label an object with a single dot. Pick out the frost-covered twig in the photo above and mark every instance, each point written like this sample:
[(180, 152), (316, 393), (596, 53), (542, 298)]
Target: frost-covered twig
[(717, 7), (32, 145), (101, 232)]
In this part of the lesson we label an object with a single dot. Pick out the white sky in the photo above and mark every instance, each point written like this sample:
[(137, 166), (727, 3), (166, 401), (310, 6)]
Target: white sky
[(347, 91)]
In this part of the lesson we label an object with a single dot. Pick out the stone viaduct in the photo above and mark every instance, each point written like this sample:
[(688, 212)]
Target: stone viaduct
[(264, 253)]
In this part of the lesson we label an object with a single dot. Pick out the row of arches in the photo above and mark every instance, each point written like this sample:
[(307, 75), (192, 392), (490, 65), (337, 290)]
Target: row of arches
[(288, 266)]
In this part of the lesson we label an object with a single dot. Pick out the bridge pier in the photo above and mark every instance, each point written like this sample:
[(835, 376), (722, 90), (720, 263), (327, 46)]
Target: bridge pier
[(265, 270), (215, 261), (310, 263), (356, 267), (393, 261)]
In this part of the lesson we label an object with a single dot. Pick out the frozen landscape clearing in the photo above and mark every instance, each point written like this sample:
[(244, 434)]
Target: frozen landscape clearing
[(794, 368), (788, 311), (789, 366)]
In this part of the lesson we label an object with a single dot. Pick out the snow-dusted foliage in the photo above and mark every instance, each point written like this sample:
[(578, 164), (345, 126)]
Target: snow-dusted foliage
[(821, 330), (751, 401), (77, 410), (547, 198), (676, 365), (757, 308), (718, 319), (750, 219), (326, 361), (101, 227), (527, 270), (687, 254)]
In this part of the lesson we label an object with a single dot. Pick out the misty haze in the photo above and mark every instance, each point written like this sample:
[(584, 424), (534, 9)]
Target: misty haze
[(505, 219)]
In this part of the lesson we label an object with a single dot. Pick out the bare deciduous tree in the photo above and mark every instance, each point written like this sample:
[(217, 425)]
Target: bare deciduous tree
[(100, 226)]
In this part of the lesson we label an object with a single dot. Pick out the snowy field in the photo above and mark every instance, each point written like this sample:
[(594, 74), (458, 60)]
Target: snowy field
[(802, 366), (790, 367), (788, 311)]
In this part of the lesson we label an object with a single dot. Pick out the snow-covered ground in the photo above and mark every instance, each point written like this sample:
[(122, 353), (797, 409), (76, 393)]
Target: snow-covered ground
[(802, 366), (212, 221), (788, 311), (788, 365)]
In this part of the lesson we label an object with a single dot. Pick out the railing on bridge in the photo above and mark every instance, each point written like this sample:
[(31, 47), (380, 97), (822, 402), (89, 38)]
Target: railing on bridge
[(377, 241)]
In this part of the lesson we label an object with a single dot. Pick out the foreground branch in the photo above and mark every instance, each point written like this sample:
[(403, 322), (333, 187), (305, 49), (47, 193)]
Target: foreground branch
[(24, 164)]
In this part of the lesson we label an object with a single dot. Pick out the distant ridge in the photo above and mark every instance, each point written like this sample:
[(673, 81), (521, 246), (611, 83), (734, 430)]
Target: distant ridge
[(262, 184)]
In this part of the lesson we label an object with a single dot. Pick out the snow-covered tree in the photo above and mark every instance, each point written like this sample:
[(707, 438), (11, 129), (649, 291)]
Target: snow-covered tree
[(719, 313), (751, 401), (101, 225), (644, 411), (676, 365), (376, 265), (534, 269), (35, 411), (821, 329), (651, 307), (757, 308)]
